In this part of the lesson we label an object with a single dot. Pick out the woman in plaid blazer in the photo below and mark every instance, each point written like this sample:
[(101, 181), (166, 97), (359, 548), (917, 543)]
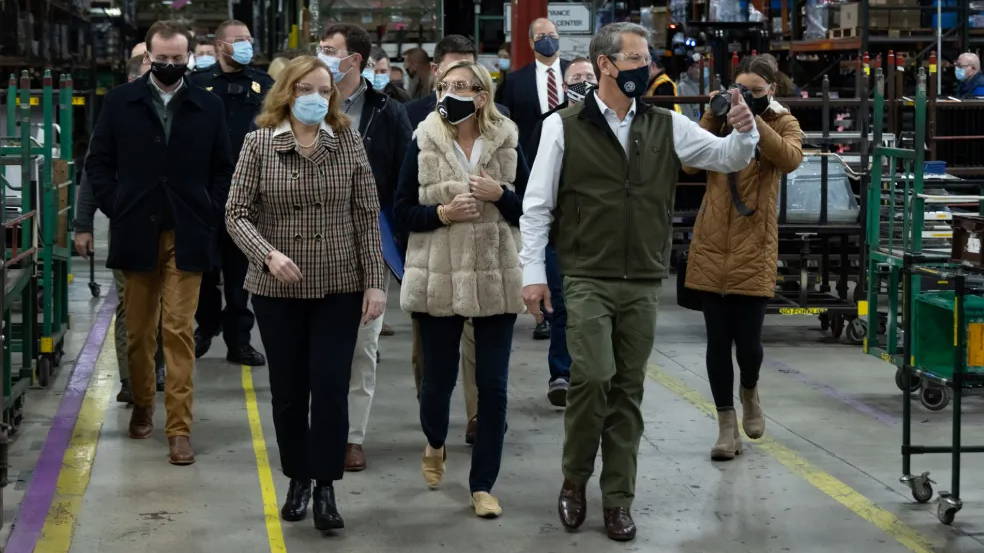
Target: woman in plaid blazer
[(303, 208)]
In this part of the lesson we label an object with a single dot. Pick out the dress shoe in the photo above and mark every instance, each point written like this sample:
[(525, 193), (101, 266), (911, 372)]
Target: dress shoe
[(557, 392), (619, 524), (326, 515), (125, 396), (433, 465), (141, 422), (471, 431), (486, 505), (203, 343), (728, 444), (752, 418), (572, 505), (355, 458), (542, 331), (387, 330), (181, 452), (298, 497), (246, 355)]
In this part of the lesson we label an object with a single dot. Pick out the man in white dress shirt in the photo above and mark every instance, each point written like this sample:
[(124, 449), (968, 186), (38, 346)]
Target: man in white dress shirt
[(602, 188)]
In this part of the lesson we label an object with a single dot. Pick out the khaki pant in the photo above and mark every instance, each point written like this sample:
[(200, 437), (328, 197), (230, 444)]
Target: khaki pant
[(467, 365), (146, 294), (610, 332)]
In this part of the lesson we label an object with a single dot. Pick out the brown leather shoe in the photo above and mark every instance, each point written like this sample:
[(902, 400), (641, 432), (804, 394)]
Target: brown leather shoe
[(572, 505), (471, 431), (619, 524), (181, 452), (355, 458), (141, 422)]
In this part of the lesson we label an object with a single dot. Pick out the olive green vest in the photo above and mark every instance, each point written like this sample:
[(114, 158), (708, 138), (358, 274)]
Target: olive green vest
[(614, 210)]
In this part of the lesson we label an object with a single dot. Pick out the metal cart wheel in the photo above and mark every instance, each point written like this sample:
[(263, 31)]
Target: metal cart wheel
[(934, 398), (95, 289), (947, 508), (45, 367), (857, 331), (921, 486), (836, 325), (914, 382)]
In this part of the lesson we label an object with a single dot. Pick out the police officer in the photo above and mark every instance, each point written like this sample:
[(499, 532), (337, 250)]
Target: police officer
[(242, 89)]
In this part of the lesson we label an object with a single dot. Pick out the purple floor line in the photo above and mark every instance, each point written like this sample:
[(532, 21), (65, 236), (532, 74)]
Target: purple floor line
[(34, 508)]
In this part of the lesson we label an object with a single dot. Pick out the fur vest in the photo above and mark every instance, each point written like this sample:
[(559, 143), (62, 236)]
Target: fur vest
[(468, 269)]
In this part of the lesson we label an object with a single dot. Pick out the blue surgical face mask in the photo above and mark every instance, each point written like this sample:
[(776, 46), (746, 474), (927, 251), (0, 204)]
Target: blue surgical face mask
[(204, 62), (242, 52), (368, 74), (504, 64), (961, 73), (547, 46), (333, 63), (310, 109), (380, 80)]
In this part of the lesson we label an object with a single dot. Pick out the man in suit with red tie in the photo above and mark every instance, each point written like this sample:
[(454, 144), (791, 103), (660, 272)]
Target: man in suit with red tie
[(538, 87)]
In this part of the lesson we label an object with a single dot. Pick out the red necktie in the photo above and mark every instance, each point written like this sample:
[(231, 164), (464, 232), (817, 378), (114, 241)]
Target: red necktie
[(552, 100)]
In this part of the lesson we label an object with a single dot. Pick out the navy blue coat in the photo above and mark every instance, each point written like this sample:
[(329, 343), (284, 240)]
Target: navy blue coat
[(972, 87), (135, 175), (518, 93)]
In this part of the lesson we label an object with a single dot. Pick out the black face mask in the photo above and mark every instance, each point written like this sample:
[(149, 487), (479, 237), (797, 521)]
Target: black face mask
[(758, 105), (632, 82), (168, 73), (456, 109)]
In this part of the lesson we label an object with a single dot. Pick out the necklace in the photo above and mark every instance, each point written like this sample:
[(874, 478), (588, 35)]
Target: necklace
[(307, 146)]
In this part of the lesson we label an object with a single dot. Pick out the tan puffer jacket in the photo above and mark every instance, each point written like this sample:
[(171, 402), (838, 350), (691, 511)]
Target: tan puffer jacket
[(730, 253)]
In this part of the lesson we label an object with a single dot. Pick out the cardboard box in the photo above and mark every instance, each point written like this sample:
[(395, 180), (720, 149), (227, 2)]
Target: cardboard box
[(61, 171), (850, 17)]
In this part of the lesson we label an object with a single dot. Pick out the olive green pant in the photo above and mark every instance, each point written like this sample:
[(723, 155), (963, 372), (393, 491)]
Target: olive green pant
[(610, 332)]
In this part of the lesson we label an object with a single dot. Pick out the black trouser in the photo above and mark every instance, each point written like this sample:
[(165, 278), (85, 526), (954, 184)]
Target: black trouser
[(440, 339), (309, 344), (733, 320), (235, 321)]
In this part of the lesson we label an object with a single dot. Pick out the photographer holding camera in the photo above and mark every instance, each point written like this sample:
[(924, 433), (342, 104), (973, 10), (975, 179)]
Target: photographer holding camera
[(734, 251)]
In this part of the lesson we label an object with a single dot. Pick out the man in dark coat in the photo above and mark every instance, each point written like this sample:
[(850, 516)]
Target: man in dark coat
[(242, 88), (159, 165)]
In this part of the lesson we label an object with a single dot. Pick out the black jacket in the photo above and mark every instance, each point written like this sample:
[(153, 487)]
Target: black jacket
[(242, 93), (397, 93), (518, 93), (418, 110), (135, 174), (385, 133)]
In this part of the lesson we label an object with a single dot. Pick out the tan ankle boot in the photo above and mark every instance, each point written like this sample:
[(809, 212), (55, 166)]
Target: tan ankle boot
[(729, 442), (433, 465), (752, 418)]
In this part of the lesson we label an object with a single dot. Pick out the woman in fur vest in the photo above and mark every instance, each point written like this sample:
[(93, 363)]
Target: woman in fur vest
[(733, 254), (460, 198)]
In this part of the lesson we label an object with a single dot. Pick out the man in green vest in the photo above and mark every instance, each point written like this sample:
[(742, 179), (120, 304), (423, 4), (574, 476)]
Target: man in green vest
[(602, 188)]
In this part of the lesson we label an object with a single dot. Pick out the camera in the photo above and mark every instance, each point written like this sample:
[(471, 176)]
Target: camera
[(721, 103)]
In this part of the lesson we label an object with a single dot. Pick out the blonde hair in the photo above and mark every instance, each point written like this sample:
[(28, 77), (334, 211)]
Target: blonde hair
[(488, 116), (276, 106)]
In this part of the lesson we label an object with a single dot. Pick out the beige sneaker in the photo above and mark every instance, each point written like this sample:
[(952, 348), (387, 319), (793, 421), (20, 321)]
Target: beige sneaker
[(753, 420), (486, 505), (433, 466), (729, 442)]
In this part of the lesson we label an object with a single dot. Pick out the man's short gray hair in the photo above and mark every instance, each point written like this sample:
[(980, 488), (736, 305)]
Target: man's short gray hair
[(972, 59), (608, 41), (537, 20)]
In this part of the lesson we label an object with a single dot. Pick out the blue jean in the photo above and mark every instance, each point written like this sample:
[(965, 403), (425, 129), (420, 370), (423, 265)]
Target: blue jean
[(558, 357), (440, 339)]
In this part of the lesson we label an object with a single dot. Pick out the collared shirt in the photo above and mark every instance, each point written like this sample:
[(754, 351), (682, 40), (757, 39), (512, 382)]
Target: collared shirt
[(541, 83), (353, 104), (694, 146), (469, 163), (285, 127), (620, 127), (166, 97)]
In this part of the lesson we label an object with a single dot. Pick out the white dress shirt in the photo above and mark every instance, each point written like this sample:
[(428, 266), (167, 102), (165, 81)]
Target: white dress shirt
[(166, 97), (694, 146), (469, 163), (541, 83)]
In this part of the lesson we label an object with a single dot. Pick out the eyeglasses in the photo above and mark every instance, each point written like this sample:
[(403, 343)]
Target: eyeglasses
[(303, 89), (540, 36), (641, 59), (458, 86), (330, 51), (581, 78)]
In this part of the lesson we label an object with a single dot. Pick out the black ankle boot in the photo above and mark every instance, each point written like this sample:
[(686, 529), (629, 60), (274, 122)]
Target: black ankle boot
[(298, 496), (326, 515)]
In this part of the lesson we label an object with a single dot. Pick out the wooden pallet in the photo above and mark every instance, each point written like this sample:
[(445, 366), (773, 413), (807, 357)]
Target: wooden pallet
[(854, 32)]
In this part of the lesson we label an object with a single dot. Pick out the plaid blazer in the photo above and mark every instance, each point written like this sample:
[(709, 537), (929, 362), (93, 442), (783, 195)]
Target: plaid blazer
[(322, 213)]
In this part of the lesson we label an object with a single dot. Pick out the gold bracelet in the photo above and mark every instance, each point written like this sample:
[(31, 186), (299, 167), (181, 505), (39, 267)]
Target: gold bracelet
[(442, 215)]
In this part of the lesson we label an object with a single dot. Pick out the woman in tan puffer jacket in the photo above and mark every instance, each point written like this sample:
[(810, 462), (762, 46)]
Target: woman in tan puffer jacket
[(734, 251)]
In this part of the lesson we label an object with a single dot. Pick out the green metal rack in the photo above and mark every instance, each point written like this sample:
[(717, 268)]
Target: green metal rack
[(49, 200)]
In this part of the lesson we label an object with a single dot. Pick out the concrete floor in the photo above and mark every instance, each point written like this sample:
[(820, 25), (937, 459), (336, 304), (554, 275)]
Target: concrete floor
[(828, 405)]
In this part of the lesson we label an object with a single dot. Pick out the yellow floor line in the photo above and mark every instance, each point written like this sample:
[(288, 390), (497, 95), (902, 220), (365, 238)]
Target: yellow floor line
[(268, 490), (73, 479), (823, 481)]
